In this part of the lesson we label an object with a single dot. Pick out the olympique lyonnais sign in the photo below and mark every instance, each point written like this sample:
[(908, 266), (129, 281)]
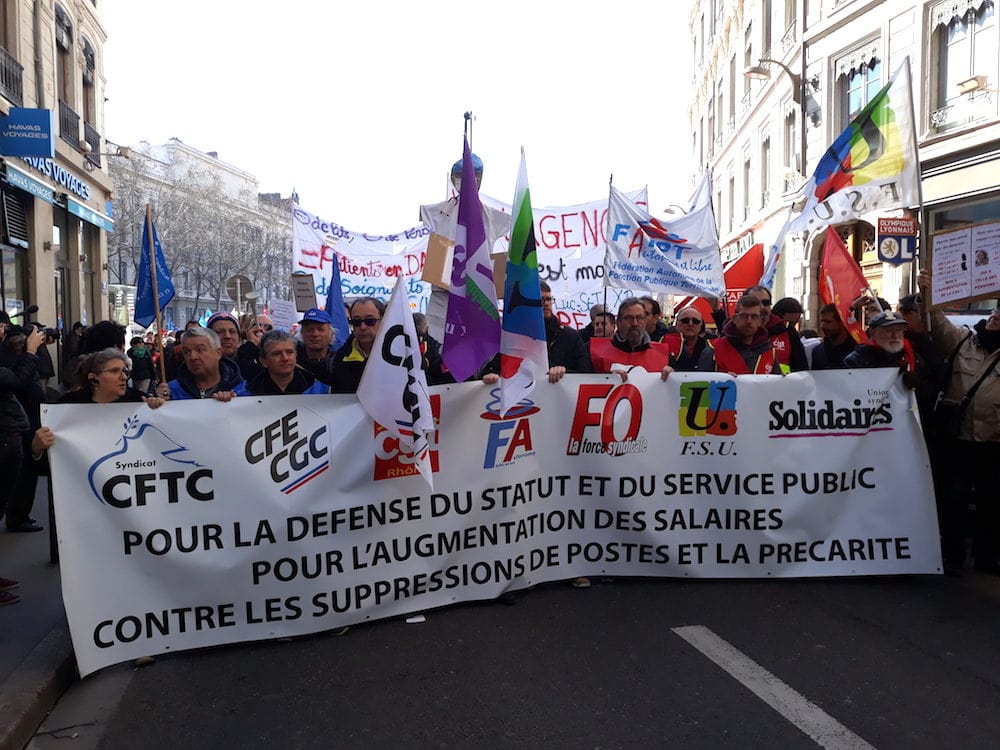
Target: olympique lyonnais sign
[(203, 523)]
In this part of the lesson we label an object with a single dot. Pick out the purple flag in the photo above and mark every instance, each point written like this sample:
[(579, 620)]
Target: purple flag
[(472, 325)]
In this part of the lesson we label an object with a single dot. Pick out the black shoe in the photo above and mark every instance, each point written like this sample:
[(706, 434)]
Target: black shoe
[(25, 526)]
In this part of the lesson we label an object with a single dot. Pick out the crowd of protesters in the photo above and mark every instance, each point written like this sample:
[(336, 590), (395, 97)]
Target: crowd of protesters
[(954, 372)]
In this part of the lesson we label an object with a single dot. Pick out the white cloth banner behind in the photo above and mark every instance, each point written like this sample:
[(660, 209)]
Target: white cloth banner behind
[(202, 523), (571, 250)]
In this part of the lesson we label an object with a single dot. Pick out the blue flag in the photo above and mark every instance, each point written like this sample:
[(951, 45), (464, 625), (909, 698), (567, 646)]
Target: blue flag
[(335, 304), (145, 308)]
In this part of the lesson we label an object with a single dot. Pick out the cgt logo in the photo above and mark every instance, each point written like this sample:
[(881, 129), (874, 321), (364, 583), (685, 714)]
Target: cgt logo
[(295, 449), (613, 414), (391, 461), (510, 434), (707, 408)]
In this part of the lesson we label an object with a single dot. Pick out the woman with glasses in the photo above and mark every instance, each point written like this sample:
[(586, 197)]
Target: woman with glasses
[(104, 376)]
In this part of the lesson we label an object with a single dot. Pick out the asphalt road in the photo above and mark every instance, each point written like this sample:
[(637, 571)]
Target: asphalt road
[(885, 662)]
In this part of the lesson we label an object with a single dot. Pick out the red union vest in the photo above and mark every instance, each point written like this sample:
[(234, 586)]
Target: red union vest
[(729, 359), (604, 354), (781, 346)]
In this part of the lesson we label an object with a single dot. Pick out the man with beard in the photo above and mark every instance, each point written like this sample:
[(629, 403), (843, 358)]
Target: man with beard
[(887, 346), (785, 340), (630, 346), (745, 346), (837, 342)]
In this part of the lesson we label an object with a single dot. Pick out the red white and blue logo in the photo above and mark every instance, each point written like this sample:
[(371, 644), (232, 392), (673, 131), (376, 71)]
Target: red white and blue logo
[(509, 438)]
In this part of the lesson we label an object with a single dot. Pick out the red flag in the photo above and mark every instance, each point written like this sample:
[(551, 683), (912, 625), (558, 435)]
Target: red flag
[(841, 282)]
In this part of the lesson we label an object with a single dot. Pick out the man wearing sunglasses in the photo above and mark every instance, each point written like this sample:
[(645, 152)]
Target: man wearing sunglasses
[(317, 353), (687, 343), (350, 360)]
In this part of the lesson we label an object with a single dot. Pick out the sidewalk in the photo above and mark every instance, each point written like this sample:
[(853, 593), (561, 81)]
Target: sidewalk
[(36, 656)]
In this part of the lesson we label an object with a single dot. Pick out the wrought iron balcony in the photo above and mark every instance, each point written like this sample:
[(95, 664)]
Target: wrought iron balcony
[(973, 107), (93, 139), (69, 125), (10, 78)]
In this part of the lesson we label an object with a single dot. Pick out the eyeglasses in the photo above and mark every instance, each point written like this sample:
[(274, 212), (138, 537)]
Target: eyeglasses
[(549, 300), (267, 328), (765, 302), (747, 316), (689, 321), (117, 371), (370, 322), (633, 318)]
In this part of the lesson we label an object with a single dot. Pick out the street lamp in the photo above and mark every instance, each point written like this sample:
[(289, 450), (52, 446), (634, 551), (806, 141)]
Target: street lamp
[(761, 72)]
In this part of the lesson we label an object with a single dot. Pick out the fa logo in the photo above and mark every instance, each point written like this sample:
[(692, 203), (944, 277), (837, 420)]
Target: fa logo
[(510, 435)]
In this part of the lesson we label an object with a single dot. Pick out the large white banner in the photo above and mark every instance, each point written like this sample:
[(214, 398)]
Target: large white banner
[(203, 523), (571, 249), (370, 264)]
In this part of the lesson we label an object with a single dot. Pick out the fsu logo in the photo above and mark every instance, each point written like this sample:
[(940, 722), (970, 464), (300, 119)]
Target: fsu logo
[(707, 408), (510, 434), (391, 461), (607, 419)]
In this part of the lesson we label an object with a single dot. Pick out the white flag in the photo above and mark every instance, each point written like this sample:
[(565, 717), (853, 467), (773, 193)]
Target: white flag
[(393, 388)]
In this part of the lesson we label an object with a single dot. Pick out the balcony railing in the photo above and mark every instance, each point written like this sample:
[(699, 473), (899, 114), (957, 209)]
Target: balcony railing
[(10, 78), (93, 139), (788, 38), (69, 125), (973, 107)]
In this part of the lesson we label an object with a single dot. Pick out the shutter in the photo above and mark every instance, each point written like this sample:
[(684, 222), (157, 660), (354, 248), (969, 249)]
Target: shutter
[(15, 221)]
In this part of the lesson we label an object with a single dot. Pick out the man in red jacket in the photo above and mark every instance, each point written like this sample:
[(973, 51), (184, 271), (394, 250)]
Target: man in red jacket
[(630, 346), (745, 347)]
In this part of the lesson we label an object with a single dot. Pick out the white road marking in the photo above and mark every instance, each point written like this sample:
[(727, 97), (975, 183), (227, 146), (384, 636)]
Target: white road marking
[(822, 728)]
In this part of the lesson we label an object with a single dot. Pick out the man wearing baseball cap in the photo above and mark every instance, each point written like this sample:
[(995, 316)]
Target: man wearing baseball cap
[(886, 347), (317, 352)]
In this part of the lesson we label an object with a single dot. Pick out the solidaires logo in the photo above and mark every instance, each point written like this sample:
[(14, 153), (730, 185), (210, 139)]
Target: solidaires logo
[(707, 408)]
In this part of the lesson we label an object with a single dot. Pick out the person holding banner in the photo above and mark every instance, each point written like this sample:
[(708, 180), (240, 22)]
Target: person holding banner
[(243, 353), (281, 374), (567, 352), (687, 343), (104, 376), (745, 346), (630, 346), (970, 415), (316, 352), (204, 373), (785, 339)]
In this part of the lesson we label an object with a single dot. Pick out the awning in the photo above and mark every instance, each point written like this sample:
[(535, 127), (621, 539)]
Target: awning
[(88, 214), (29, 184)]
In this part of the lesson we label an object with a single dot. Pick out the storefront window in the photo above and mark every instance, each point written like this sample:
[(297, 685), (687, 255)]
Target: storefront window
[(963, 214), (12, 278)]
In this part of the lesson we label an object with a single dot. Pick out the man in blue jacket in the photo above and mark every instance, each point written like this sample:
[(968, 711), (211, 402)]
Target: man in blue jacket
[(204, 373)]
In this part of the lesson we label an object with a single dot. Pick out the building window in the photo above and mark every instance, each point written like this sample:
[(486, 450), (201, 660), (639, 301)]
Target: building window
[(721, 118), (64, 45), (765, 170), (89, 77), (858, 87), (13, 279), (768, 13), (747, 58), (746, 185), (732, 202), (966, 47), (791, 157)]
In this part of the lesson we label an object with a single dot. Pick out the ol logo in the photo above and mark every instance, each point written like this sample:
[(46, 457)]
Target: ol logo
[(604, 409), (707, 408), (391, 461), (510, 433)]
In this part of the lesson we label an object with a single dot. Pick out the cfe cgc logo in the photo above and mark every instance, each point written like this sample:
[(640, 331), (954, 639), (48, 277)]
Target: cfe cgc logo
[(291, 451), (607, 419), (149, 467), (510, 434), (707, 408), (391, 461)]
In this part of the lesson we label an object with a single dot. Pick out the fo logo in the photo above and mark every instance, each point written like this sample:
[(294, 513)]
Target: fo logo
[(294, 448), (612, 415), (391, 461), (707, 408), (510, 434)]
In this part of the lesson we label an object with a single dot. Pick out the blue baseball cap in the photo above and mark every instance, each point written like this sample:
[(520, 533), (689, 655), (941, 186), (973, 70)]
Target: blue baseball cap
[(316, 315)]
